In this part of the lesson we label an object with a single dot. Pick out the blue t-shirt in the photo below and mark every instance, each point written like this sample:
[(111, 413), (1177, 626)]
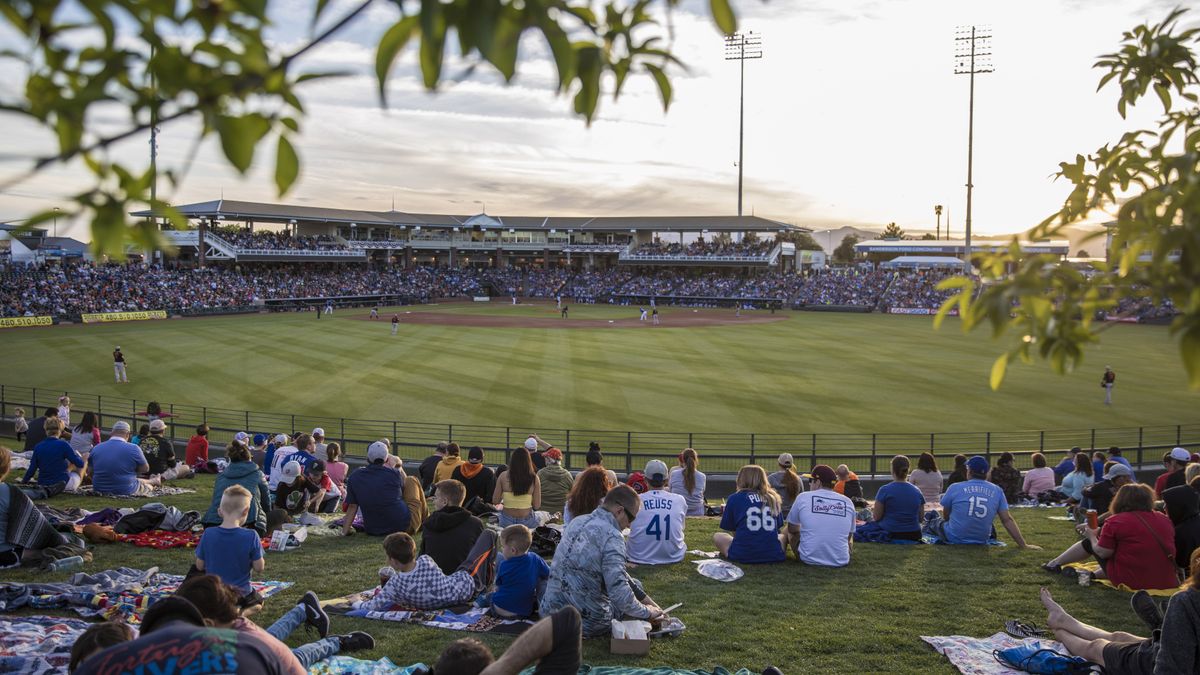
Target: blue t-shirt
[(49, 461), (114, 467), (1064, 467), (903, 507), (516, 583), (268, 458), (228, 552), (755, 529), (973, 505), (377, 491)]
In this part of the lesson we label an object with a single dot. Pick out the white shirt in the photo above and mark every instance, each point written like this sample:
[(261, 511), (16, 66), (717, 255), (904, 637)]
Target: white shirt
[(695, 500), (280, 458), (656, 534), (320, 453), (826, 521)]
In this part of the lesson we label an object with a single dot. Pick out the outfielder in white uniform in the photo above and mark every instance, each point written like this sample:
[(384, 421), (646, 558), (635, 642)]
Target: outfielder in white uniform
[(644, 314), (119, 365), (656, 534)]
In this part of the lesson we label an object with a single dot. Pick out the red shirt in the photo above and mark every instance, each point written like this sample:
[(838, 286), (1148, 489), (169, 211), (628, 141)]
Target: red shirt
[(197, 450), (1140, 560)]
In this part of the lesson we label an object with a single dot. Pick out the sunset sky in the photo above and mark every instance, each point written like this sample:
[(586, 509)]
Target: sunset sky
[(854, 117)]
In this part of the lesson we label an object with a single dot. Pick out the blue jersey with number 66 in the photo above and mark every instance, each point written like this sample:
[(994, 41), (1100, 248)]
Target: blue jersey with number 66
[(755, 529)]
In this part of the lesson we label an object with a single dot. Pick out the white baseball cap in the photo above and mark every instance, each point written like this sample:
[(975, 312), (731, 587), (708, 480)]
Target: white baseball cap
[(121, 426), (318, 432), (531, 444), (785, 459), (290, 471), (157, 425), (377, 451), (280, 438), (1181, 455), (241, 436)]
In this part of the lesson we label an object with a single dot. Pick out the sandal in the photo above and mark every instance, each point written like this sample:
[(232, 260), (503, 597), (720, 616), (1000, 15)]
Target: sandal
[(1020, 629)]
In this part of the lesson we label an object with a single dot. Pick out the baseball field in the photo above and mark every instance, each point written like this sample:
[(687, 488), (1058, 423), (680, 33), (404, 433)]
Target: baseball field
[(602, 368)]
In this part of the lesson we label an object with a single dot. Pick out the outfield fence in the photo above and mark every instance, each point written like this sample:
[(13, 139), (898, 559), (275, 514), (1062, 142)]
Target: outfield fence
[(868, 453)]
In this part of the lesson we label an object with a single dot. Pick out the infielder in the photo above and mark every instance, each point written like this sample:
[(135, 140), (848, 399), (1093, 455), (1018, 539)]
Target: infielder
[(395, 323), (374, 312), (645, 314), (119, 365)]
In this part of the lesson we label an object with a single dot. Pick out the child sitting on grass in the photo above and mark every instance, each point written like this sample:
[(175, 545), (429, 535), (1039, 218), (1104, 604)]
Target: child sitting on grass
[(230, 551), (521, 577), (417, 583)]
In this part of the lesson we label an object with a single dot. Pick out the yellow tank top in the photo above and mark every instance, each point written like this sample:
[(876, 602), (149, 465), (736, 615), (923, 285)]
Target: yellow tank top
[(518, 502)]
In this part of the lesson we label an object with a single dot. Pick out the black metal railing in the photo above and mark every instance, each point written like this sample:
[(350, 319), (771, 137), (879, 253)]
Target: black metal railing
[(868, 453)]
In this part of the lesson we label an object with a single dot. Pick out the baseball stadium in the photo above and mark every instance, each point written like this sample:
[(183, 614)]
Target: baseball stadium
[(644, 346)]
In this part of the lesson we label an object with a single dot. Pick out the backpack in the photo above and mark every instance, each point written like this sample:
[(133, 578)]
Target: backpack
[(637, 481), (1033, 658), (545, 541)]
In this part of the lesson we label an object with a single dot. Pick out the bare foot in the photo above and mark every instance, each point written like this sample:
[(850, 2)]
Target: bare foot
[(1055, 612)]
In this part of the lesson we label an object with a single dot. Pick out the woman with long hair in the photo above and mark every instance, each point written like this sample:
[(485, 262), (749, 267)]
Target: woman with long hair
[(687, 480), (786, 482), (86, 435), (590, 487), (927, 478), (959, 474), (753, 515), (1074, 482), (519, 491), (1135, 546)]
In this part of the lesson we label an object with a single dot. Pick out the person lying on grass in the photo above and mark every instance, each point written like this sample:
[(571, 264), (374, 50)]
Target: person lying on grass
[(174, 636), (1135, 546), (1174, 647), (418, 583), (231, 551), (969, 507), (589, 569), (555, 644), (752, 514), (218, 604)]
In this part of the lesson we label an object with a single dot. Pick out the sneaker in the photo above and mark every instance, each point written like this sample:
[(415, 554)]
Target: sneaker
[(56, 489), (772, 670), (313, 614), (356, 641), (1146, 609)]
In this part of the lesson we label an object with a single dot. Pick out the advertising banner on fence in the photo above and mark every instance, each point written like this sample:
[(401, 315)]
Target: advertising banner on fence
[(19, 321), (917, 310), (125, 316)]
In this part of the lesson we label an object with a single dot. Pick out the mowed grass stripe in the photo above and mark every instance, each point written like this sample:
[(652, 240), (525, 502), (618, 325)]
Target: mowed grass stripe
[(815, 372)]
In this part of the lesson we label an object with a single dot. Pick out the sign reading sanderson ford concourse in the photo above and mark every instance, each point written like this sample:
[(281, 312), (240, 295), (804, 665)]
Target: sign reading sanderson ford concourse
[(19, 321), (125, 316)]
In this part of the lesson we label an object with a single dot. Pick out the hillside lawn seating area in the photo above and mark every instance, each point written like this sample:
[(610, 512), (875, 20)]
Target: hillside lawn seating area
[(864, 618)]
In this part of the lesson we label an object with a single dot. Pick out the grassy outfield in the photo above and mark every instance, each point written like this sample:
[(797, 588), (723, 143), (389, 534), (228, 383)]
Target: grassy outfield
[(813, 372), (860, 619)]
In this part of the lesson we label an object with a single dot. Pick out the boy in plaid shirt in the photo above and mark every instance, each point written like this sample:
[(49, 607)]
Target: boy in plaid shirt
[(418, 582)]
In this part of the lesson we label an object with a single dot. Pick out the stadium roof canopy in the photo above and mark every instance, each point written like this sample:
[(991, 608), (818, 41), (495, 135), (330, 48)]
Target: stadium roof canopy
[(956, 247), (920, 261), (261, 212)]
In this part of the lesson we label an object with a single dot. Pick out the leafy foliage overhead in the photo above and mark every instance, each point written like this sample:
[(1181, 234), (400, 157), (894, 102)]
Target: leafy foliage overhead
[(246, 92), (1147, 184)]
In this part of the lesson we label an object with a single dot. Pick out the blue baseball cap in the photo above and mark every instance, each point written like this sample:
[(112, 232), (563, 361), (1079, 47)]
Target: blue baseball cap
[(977, 464), (259, 439)]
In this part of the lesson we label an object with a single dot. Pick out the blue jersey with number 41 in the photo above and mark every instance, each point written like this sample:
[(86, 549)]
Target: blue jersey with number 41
[(973, 505), (755, 529)]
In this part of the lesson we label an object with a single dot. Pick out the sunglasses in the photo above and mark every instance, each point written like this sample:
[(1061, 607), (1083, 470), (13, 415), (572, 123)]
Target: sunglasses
[(627, 514)]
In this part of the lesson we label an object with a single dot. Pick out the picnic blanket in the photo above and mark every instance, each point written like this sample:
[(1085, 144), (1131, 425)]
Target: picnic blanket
[(38, 645), (123, 594), (338, 664), (462, 617), (1093, 567), (164, 539), (160, 491), (973, 656)]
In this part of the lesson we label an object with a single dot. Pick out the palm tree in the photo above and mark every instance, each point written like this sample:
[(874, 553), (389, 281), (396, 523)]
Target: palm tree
[(938, 210)]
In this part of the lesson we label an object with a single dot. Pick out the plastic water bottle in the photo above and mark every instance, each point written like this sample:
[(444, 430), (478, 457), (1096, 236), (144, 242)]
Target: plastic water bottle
[(66, 564)]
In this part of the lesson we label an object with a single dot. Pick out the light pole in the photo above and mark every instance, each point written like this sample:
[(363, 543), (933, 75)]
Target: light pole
[(739, 47), (937, 209), (973, 51), (56, 222)]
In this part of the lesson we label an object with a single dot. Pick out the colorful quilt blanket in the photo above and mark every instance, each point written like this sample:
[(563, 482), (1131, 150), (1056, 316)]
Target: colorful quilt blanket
[(464, 617), (38, 645), (973, 656), (160, 491), (346, 665)]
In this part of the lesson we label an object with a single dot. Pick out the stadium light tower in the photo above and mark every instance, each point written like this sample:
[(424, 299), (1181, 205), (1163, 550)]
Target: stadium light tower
[(739, 47), (972, 55)]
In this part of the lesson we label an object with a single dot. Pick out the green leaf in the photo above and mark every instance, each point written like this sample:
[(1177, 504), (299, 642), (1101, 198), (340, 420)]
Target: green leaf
[(239, 136), (287, 165), (663, 82), (723, 16), (998, 370), (588, 72), (390, 45), (1189, 349)]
